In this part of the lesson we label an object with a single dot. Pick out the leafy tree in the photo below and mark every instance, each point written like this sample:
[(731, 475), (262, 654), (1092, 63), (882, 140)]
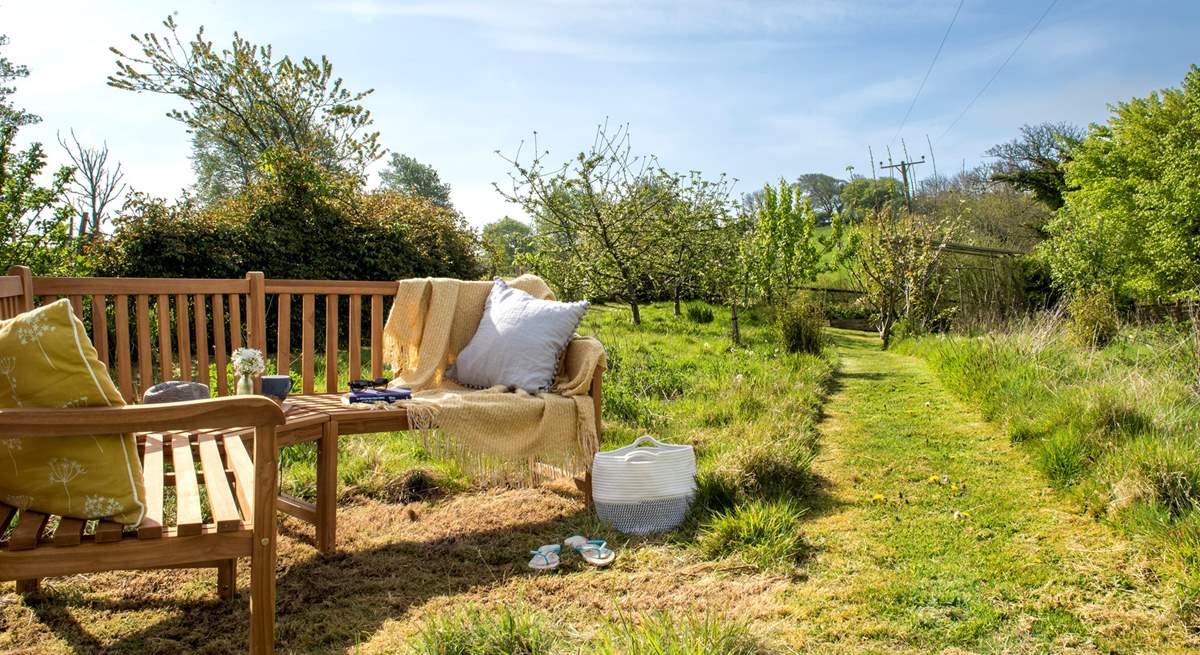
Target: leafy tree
[(407, 175), (1034, 161), (824, 193), (9, 73), (33, 228), (898, 258), (504, 241), (692, 221), (243, 103), (599, 217), (785, 250), (862, 196), (1131, 222)]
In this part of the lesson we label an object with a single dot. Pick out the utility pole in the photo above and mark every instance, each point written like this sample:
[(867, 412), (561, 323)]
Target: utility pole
[(904, 167)]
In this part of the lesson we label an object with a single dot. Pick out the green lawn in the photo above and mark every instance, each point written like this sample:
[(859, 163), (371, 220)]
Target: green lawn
[(888, 517)]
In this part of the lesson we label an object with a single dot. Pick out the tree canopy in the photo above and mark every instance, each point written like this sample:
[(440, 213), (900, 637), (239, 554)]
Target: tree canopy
[(1131, 219), (1034, 161), (33, 228), (242, 102), (407, 175)]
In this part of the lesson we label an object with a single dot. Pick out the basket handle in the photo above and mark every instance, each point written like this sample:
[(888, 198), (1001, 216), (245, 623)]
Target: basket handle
[(645, 438)]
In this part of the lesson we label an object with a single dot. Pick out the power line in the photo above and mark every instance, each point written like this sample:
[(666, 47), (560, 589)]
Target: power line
[(929, 70), (1002, 65)]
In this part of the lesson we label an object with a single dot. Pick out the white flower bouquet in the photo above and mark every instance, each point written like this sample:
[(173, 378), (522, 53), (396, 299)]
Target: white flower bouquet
[(247, 363)]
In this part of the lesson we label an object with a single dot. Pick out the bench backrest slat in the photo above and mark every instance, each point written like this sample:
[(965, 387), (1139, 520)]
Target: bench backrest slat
[(171, 327), (147, 330)]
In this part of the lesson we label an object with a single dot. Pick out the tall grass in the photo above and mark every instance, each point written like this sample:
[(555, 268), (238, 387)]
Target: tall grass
[(1115, 427), (750, 410)]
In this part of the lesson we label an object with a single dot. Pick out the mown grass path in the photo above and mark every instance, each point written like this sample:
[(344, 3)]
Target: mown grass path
[(933, 533)]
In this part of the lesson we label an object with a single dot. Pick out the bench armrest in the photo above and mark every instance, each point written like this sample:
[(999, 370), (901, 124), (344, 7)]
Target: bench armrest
[(583, 359), (216, 413)]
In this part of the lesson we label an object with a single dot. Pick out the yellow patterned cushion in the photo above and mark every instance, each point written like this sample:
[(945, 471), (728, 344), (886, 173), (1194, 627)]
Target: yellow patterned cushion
[(47, 360)]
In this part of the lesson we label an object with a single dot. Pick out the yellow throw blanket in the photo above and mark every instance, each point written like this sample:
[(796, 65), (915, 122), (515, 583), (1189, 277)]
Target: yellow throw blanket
[(492, 432)]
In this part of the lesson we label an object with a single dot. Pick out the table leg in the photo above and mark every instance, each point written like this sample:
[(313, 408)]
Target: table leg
[(327, 488)]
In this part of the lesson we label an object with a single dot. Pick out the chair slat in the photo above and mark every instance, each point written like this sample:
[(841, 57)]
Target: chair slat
[(7, 512), (222, 355), (235, 321), (77, 305), (331, 343), (354, 337), (69, 532), (376, 336), (124, 365), (151, 526), (183, 333), (283, 335), (200, 315), (100, 327), (165, 363), (307, 354), (108, 531), (145, 356), (220, 498), (28, 531), (187, 491), (243, 473)]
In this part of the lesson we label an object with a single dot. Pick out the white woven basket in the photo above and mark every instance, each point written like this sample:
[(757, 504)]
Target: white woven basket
[(643, 490)]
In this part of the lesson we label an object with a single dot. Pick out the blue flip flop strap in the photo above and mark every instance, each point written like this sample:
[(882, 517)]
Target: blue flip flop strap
[(594, 544)]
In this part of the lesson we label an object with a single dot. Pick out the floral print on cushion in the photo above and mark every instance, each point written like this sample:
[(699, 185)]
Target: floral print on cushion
[(47, 360)]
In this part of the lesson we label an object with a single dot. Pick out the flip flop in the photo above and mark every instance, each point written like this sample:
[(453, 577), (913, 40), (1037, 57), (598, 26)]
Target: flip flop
[(545, 558), (594, 551)]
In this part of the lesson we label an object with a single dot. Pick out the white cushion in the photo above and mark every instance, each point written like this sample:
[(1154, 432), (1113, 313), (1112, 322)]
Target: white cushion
[(518, 341)]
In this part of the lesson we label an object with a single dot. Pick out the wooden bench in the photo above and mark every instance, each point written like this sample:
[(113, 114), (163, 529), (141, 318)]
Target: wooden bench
[(148, 330), (187, 446)]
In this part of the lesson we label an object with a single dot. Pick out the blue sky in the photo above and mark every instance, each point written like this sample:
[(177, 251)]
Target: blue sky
[(755, 90)]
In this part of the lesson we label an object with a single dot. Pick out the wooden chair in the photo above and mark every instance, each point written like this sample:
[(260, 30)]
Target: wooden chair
[(194, 439)]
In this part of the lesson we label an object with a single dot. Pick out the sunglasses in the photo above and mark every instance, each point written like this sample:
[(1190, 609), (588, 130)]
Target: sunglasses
[(359, 385)]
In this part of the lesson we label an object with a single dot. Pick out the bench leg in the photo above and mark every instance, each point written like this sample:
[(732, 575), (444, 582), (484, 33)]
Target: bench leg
[(28, 586), (262, 599), (227, 579), (327, 489)]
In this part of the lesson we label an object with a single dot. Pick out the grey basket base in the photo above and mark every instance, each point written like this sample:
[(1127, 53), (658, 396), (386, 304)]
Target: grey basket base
[(646, 517)]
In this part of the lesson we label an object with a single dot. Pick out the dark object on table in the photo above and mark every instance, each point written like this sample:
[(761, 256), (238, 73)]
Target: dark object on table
[(174, 391), (377, 396), (359, 385), (277, 386)]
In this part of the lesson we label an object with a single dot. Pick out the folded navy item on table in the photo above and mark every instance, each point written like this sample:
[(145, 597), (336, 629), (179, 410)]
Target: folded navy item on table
[(377, 396)]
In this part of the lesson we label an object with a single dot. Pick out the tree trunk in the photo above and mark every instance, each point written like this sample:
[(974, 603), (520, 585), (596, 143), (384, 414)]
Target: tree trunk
[(733, 321), (637, 315), (677, 312)]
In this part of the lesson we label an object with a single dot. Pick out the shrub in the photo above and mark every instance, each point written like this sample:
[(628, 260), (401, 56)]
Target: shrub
[(295, 221), (1094, 319), (1063, 456), (474, 632), (801, 327), (661, 634), (765, 534), (776, 467), (699, 313)]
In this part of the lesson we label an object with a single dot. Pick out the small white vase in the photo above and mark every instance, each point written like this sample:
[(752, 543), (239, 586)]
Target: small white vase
[(245, 385)]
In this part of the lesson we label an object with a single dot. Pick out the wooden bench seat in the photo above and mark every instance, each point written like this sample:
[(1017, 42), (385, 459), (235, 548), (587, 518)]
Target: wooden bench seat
[(215, 461)]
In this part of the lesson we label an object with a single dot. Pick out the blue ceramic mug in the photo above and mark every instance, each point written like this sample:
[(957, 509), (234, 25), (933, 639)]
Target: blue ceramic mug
[(277, 386)]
